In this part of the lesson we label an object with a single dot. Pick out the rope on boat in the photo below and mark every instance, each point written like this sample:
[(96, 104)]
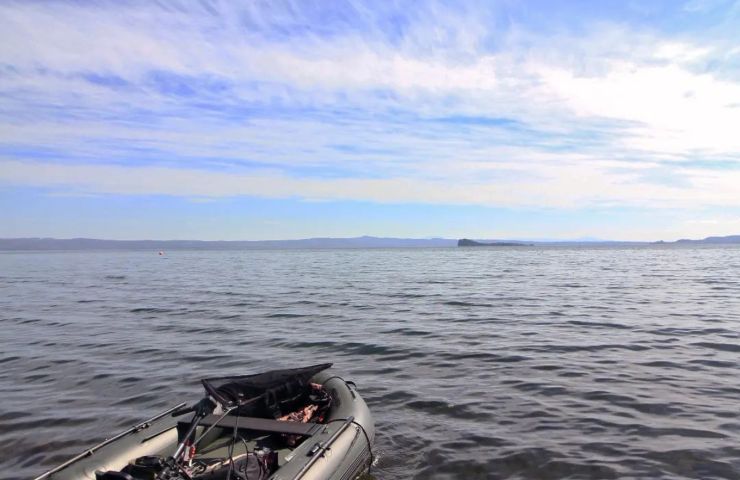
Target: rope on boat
[(367, 437)]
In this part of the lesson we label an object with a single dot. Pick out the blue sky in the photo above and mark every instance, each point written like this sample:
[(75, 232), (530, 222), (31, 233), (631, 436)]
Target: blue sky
[(510, 119)]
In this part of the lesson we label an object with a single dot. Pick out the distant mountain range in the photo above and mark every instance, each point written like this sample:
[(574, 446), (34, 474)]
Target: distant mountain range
[(95, 244), (712, 240), (356, 242)]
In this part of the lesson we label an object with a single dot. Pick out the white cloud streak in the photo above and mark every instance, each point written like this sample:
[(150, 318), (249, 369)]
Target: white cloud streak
[(561, 186)]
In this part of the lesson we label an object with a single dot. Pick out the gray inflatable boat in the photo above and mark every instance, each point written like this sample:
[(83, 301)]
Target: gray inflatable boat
[(292, 424)]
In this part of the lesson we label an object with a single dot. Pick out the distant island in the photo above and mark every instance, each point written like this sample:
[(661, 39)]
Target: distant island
[(464, 242), (50, 244)]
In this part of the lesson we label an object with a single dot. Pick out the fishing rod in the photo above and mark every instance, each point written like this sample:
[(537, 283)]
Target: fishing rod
[(91, 450)]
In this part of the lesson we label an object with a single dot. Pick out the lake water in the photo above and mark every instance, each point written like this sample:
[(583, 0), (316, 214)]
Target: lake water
[(510, 363)]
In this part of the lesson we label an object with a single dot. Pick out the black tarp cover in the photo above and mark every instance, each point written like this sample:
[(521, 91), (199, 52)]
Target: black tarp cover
[(268, 389)]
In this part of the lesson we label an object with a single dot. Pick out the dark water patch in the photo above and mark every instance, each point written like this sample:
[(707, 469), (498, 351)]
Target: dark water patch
[(6, 416), (407, 295), (607, 397), (662, 364), (541, 388), (725, 347), (307, 345), (97, 345), (405, 356), (693, 464), (544, 464), (471, 440), (135, 399), (714, 363), (438, 407), (192, 329), (675, 331), (718, 391), (205, 357), (36, 423), (64, 361), (150, 310), (410, 332), (569, 285), (614, 449), (30, 321), (585, 348), (732, 427), (357, 348), (607, 325), (512, 359), (153, 352), (536, 413), (673, 432), (36, 377), (58, 324), (131, 380), (547, 368), (378, 371), (653, 408), (460, 303), (483, 356), (436, 465), (371, 349), (399, 396), (303, 302), (286, 315)]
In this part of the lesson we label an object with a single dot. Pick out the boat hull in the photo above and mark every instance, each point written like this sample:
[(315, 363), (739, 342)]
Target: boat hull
[(339, 449)]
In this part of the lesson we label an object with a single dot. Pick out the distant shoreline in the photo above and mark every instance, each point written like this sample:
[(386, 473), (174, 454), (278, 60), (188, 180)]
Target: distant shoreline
[(82, 244)]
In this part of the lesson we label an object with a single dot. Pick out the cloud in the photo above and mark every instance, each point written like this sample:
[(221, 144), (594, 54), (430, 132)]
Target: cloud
[(673, 109), (563, 186), (363, 101)]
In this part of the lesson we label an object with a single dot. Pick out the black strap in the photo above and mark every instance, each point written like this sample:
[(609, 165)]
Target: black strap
[(264, 425)]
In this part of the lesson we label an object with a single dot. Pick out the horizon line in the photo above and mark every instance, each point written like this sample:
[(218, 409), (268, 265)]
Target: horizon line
[(369, 237)]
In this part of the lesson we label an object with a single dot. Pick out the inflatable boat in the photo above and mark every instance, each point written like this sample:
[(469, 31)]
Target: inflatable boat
[(296, 424)]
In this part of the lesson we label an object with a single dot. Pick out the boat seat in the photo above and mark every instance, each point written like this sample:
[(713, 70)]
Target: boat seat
[(260, 425)]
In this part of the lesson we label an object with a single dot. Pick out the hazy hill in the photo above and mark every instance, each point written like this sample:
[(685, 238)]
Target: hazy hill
[(95, 244), (714, 240)]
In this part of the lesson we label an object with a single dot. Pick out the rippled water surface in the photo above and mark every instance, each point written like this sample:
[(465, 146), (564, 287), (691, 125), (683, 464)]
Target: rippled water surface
[(526, 363)]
